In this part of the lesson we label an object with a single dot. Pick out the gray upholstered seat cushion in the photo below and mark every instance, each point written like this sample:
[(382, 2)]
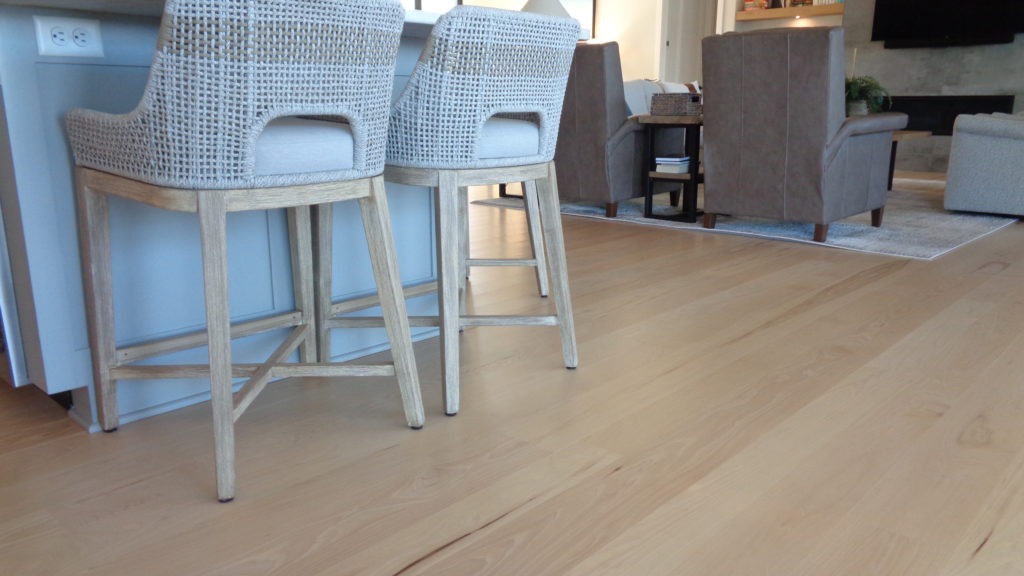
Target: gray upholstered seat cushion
[(508, 138), (292, 145), (298, 145)]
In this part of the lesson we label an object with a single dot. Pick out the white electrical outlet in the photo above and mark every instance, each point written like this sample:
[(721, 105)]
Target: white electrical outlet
[(76, 37)]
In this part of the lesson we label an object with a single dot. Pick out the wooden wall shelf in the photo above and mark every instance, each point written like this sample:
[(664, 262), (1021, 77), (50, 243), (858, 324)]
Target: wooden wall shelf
[(801, 11)]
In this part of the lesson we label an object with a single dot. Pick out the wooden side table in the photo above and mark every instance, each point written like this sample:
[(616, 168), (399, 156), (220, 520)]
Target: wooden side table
[(688, 181)]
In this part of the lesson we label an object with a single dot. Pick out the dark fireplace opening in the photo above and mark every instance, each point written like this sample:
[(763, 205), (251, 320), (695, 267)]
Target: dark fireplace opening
[(937, 113)]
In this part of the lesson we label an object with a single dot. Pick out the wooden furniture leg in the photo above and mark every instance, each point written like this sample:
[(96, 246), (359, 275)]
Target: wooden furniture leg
[(383, 257), (448, 285), (213, 234), (300, 241), (876, 217), (464, 268), (94, 239), (710, 220), (820, 232), (323, 218), (555, 243), (536, 235)]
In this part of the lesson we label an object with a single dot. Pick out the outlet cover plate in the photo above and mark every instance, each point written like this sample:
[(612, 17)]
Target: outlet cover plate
[(74, 37)]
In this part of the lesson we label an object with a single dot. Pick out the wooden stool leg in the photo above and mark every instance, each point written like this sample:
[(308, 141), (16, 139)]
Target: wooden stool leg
[(94, 241), (213, 233), (384, 259), (463, 246), (323, 222), (448, 286), (555, 242), (536, 235), (300, 239)]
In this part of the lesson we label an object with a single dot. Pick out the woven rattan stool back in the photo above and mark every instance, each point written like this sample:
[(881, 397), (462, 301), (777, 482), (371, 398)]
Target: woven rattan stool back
[(225, 68), (480, 63)]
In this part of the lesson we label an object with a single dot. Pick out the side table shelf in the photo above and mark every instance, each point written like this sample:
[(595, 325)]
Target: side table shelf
[(671, 176)]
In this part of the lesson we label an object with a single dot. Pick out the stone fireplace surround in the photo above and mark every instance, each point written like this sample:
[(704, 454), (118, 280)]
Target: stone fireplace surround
[(996, 69), (937, 113)]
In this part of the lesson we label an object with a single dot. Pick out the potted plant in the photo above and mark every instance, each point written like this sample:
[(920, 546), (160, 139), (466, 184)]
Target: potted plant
[(865, 94)]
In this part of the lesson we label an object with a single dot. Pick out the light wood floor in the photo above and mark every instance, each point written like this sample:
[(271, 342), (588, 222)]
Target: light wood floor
[(742, 407)]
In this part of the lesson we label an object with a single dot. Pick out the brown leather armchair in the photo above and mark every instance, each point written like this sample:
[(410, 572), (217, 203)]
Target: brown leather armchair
[(777, 142)]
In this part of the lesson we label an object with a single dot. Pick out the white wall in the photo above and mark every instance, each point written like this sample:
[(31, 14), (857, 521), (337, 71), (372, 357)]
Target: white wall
[(636, 26), (685, 24)]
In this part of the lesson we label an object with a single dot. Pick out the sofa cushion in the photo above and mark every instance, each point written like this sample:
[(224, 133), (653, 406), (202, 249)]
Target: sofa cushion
[(638, 95), (677, 88)]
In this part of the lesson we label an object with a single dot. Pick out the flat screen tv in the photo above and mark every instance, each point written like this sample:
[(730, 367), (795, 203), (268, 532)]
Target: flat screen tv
[(923, 23)]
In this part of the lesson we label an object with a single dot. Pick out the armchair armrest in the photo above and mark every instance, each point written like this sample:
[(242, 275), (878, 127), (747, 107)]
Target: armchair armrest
[(632, 124), (622, 161), (884, 122), (860, 125)]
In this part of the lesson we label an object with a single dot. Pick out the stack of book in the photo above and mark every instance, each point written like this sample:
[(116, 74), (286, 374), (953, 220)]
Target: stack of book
[(672, 164)]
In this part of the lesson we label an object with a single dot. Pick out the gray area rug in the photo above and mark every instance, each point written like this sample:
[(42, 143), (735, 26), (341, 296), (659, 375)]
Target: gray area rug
[(915, 224)]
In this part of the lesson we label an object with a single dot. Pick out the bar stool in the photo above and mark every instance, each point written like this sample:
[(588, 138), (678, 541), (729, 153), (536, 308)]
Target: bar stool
[(482, 107), (217, 131)]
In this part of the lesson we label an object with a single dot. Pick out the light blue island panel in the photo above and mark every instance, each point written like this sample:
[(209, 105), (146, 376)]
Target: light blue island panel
[(156, 262)]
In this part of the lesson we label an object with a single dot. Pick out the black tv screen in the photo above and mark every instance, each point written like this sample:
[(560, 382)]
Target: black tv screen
[(922, 23)]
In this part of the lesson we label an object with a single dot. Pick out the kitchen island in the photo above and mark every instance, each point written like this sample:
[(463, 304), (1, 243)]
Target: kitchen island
[(156, 256)]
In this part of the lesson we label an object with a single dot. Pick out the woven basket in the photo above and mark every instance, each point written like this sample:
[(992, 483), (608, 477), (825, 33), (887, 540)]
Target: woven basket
[(675, 104)]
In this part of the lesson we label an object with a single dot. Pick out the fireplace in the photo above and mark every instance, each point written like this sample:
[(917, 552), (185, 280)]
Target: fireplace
[(937, 113)]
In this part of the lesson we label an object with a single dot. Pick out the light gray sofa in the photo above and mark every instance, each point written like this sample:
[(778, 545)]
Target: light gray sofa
[(986, 164), (777, 142)]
